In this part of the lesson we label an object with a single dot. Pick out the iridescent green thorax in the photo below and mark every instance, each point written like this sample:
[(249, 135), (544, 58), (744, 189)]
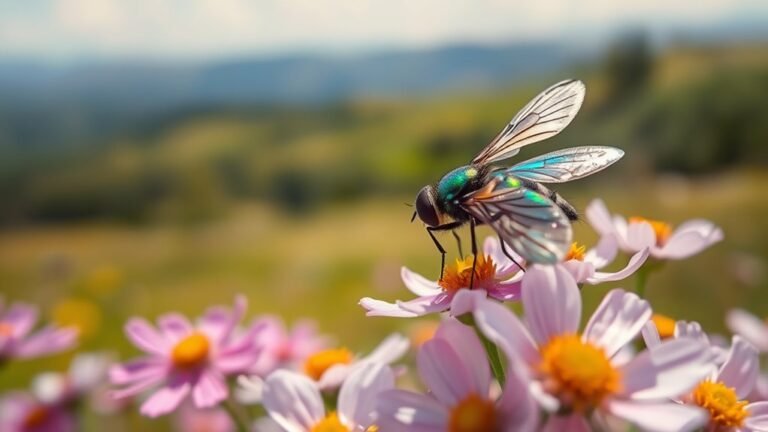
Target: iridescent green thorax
[(453, 183)]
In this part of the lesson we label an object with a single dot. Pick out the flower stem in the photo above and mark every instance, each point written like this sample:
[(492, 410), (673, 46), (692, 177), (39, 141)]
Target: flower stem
[(491, 350), (641, 279), (241, 425)]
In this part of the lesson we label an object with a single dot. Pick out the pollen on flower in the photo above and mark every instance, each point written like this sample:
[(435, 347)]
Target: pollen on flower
[(725, 408), (192, 351), (578, 372), (662, 229), (318, 363), (665, 325), (459, 275), (35, 418), (473, 414), (330, 423), (6, 330), (576, 252)]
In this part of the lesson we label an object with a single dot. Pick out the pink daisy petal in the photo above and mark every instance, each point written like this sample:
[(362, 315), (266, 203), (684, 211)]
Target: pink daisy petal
[(582, 271), (463, 340), (174, 326), (552, 302), (660, 417), (426, 305), (640, 235), (21, 317), (618, 319), (402, 410), (209, 390), (48, 340), (651, 335), (690, 330), (685, 244), (418, 284), (571, 423), (635, 262), (293, 401), (599, 217), (604, 253), (758, 416), (137, 370), (389, 350), (357, 397), (741, 367), (446, 373), (144, 336), (517, 407), (669, 370), (166, 399), (749, 327), (510, 290)]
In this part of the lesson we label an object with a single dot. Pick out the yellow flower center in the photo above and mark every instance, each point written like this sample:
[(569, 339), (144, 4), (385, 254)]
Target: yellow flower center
[(192, 351), (576, 252), (318, 363), (36, 417), (665, 325), (458, 276), (330, 423), (579, 373), (662, 230), (473, 414), (6, 330), (725, 408)]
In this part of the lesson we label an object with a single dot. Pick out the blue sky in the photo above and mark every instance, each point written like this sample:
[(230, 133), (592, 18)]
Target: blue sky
[(202, 29)]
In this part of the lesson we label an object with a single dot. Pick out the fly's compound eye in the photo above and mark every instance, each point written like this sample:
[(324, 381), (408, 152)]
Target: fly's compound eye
[(426, 208)]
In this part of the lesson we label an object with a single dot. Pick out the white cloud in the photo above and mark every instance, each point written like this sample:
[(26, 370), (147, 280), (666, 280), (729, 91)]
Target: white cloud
[(204, 28)]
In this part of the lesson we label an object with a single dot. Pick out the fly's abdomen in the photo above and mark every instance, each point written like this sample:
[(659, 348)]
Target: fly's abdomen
[(565, 206)]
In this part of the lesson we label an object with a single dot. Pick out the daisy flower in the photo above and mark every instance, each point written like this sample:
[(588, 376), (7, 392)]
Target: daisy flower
[(584, 265), (294, 401), (17, 340), (186, 360), (658, 329), (456, 372), (282, 347), (636, 234), (495, 274), (575, 375), (21, 412)]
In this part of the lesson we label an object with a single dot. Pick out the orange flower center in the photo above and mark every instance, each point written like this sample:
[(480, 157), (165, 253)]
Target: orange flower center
[(459, 275), (473, 414), (36, 417), (662, 230), (576, 252), (6, 330), (318, 363), (665, 325), (192, 351), (579, 373), (330, 423), (725, 408)]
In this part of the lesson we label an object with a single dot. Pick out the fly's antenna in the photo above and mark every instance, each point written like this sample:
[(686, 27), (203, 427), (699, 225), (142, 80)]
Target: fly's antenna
[(413, 218)]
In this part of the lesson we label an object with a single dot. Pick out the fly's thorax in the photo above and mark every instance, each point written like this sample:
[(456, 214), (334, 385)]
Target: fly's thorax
[(456, 184)]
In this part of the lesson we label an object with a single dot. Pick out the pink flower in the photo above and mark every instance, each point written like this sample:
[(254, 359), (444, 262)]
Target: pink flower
[(281, 348), (186, 360), (684, 329), (584, 264), (574, 375), (455, 370), (295, 403), (20, 412), (636, 234), (191, 419), (17, 339), (495, 275)]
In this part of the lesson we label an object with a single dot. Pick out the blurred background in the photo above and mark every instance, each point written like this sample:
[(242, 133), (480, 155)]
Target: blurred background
[(161, 156)]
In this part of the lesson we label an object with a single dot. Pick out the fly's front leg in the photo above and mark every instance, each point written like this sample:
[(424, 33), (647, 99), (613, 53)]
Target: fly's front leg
[(444, 227), (458, 242), (474, 251), (509, 255)]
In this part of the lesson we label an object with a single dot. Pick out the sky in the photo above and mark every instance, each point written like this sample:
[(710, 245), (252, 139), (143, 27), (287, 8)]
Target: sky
[(204, 29)]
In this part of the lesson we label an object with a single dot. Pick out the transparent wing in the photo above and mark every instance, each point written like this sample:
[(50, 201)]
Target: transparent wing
[(567, 164), (530, 223), (544, 116)]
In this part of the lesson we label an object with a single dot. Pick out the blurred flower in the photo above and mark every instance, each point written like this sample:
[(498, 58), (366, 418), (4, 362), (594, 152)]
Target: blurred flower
[(86, 373), (495, 274), (294, 401), (657, 329), (191, 419), (723, 393), (454, 368), (574, 376), (186, 360), (584, 264), (281, 348), (17, 339), (83, 315), (636, 234), (20, 412), (748, 326)]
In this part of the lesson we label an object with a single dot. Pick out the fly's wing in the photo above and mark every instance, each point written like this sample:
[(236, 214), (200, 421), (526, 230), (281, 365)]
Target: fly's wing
[(533, 225), (544, 116), (567, 164)]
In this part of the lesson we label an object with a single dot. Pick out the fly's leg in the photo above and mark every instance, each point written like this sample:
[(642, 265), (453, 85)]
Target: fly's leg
[(458, 242), (444, 227), (509, 255), (474, 251)]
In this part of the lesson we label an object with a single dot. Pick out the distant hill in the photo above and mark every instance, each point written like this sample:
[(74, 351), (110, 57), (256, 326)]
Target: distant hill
[(48, 106)]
